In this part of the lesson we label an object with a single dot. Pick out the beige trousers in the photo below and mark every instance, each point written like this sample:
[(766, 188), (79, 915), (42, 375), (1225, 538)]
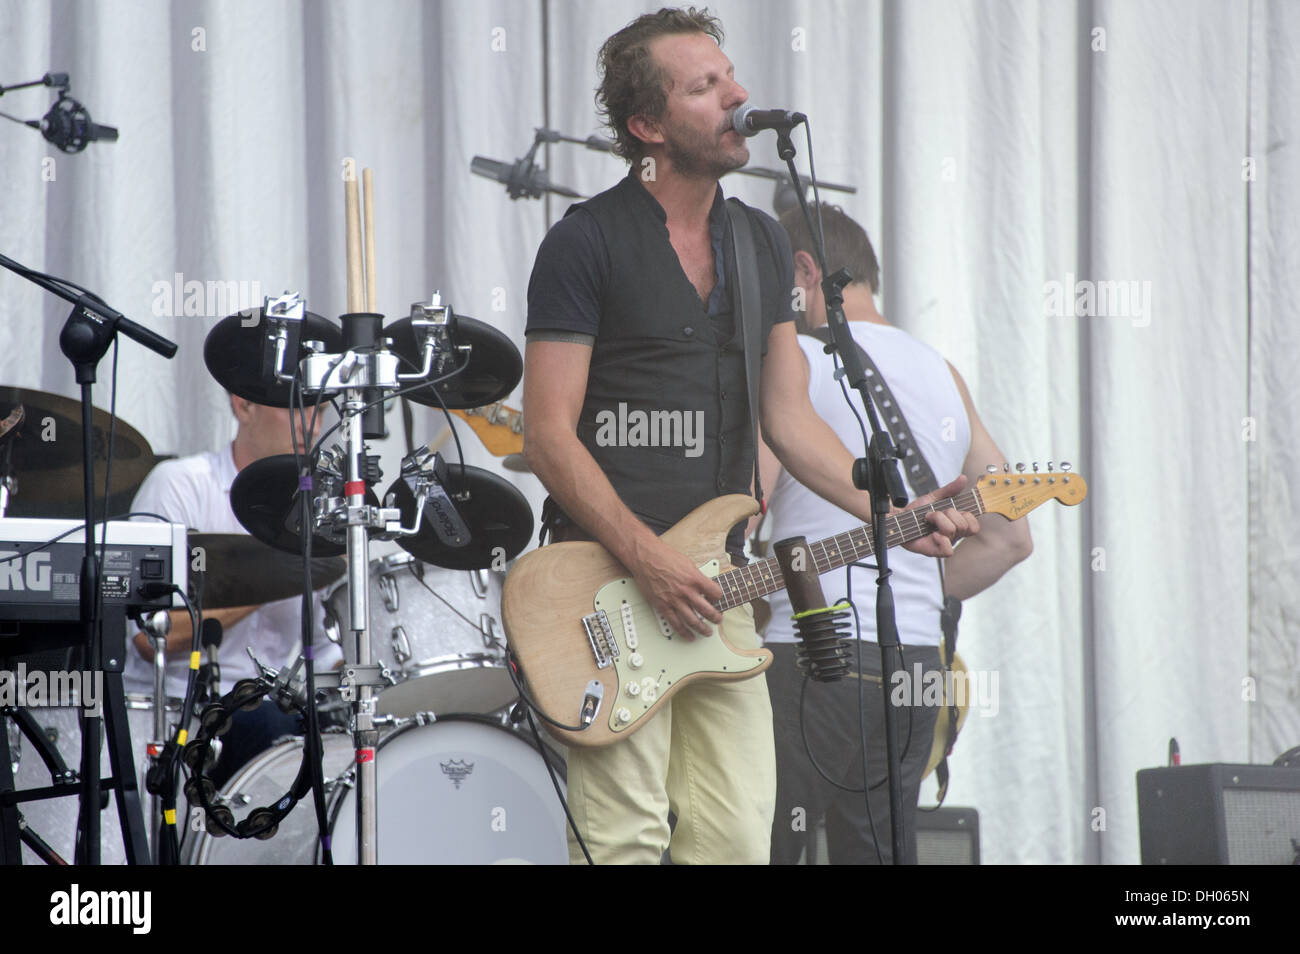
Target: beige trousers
[(707, 756)]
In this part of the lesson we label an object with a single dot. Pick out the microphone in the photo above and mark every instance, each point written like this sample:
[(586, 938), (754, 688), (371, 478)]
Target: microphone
[(67, 125), (750, 120), (822, 630), (210, 634), (522, 179)]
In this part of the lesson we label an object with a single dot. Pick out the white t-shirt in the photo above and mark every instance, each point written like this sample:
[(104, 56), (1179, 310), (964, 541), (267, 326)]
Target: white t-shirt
[(195, 491), (923, 384)]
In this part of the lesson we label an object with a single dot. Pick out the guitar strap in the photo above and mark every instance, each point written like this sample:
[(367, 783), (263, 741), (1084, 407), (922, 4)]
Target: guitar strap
[(920, 475), (748, 303)]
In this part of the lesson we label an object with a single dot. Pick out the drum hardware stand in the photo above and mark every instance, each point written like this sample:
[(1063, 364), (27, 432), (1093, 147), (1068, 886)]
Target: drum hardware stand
[(68, 781), (157, 625), (13, 826), (366, 368)]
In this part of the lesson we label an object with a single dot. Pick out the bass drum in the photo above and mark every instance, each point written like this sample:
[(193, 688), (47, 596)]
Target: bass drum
[(462, 790)]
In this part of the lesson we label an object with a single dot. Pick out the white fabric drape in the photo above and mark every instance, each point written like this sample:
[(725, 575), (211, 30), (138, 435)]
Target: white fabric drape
[(997, 147)]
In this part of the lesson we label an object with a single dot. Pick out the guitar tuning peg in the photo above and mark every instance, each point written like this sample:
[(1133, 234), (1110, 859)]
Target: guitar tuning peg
[(1020, 468), (1006, 468), (1065, 466), (1049, 466), (1035, 467)]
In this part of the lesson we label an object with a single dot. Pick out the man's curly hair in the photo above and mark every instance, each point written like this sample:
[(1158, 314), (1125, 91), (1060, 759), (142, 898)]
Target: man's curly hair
[(631, 83)]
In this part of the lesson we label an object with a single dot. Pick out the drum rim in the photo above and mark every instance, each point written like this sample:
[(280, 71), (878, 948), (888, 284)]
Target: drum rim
[(204, 842), (197, 855), (452, 662)]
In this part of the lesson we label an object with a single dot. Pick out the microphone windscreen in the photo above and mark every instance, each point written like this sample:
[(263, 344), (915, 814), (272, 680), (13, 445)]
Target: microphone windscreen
[(210, 633)]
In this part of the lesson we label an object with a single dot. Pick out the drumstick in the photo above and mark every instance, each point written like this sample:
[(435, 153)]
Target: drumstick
[(352, 212), (368, 188)]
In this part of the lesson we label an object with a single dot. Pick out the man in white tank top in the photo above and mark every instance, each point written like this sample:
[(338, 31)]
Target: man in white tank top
[(937, 407)]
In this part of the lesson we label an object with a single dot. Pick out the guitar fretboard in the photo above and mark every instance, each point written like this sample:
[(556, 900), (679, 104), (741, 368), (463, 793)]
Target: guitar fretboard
[(745, 583)]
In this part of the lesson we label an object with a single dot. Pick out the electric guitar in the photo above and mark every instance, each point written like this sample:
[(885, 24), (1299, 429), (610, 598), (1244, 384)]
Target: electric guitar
[(598, 657), (500, 428)]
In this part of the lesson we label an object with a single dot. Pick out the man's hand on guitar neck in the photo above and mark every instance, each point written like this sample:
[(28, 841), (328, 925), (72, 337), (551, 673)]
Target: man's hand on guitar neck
[(949, 525), (675, 587)]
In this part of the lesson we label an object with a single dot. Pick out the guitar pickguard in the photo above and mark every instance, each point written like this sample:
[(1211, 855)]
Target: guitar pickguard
[(647, 655)]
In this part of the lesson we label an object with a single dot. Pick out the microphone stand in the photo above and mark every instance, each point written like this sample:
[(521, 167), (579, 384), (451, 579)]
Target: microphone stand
[(878, 475), (85, 339)]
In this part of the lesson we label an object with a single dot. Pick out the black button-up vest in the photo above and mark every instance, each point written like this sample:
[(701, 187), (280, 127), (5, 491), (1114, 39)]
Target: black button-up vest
[(666, 414)]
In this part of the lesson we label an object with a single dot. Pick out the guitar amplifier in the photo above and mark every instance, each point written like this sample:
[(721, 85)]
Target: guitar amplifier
[(1219, 814), (948, 836), (945, 836)]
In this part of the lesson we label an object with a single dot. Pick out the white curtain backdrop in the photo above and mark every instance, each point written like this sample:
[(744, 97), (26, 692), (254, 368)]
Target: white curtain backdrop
[(996, 147)]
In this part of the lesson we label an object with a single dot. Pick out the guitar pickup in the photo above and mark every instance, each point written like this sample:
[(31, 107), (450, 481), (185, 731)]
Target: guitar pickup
[(601, 637)]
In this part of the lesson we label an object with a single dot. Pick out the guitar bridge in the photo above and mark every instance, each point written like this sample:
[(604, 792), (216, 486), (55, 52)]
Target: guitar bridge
[(601, 636)]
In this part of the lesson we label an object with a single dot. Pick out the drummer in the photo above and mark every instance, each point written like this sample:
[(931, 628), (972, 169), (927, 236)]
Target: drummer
[(195, 491)]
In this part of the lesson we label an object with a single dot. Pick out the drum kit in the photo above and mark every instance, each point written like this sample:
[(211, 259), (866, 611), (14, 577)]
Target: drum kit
[(429, 769)]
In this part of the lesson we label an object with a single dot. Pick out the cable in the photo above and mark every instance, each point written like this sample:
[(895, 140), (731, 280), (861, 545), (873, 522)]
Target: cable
[(315, 453), (77, 529), (512, 669), (171, 750), (564, 804), (477, 627), (26, 272), (460, 451), (313, 749), (867, 785)]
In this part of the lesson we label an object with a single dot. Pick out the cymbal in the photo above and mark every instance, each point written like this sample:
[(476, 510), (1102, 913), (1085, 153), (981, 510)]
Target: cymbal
[(43, 451), (264, 497), (242, 571), (498, 517), (235, 351), (494, 368)]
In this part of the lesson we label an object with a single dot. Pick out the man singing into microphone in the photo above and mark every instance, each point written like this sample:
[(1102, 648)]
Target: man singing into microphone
[(631, 303)]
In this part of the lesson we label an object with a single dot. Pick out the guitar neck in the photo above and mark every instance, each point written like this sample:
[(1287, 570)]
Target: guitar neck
[(762, 577)]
